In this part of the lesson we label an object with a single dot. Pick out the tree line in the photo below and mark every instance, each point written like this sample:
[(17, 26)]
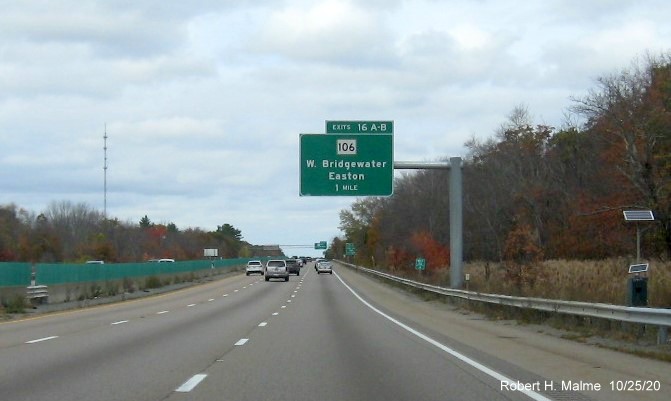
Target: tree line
[(533, 191), (76, 232)]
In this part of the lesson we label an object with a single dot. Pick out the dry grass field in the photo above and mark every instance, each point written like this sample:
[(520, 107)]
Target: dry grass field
[(589, 281), (603, 281)]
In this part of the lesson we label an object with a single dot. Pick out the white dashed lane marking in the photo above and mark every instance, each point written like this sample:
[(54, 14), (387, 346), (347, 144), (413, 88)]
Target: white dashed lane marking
[(241, 341), (119, 322), (39, 340), (191, 383)]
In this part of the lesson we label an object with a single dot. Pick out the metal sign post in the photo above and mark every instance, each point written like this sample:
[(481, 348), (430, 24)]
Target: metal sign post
[(456, 212), (638, 215), (637, 286)]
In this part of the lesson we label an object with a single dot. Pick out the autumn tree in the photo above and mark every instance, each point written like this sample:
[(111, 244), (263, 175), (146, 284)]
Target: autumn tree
[(358, 224), (631, 113), (77, 226), (336, 249), (507, 180), (10, 231), (522, 254), (41, 243), (436, 254)]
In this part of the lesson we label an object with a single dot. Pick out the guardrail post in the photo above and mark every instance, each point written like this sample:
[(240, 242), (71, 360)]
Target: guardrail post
[(663, 335)]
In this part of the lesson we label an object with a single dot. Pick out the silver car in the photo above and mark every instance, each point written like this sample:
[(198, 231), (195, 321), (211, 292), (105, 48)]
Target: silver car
[(324, 266), (276, 268), (254, 267)]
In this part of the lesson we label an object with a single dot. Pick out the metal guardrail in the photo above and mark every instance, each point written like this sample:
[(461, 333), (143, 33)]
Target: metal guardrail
[(37, 293), (651, 316)]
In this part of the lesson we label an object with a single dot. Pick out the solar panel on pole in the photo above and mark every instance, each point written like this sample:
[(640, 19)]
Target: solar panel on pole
[(638, 215)]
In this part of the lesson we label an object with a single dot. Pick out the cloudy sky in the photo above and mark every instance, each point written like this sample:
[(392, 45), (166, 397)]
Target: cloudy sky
[(204, 100)]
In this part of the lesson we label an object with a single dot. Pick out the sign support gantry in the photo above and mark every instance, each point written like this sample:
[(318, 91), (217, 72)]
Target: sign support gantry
[(456, 212)]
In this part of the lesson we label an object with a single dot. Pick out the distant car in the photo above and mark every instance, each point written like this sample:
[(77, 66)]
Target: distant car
[(293, 267), (324, 266), (317, 262), (276, 268), (254, 267)]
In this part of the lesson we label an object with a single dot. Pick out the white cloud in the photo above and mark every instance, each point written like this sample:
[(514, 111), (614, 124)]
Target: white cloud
[(204, 100), (332, 31)]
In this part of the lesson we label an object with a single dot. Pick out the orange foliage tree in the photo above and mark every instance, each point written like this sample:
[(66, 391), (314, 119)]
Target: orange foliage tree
[(397, 258), (436, 254), (521, 254)]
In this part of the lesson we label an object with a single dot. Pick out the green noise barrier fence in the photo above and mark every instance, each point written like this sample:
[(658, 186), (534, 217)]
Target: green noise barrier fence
[(19, 274), (15, 274)]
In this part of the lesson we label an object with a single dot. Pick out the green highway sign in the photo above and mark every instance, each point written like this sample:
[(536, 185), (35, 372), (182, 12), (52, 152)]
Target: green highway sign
[(359, 127), (420, 264), (346, 165), (349, 249), (320, 245)]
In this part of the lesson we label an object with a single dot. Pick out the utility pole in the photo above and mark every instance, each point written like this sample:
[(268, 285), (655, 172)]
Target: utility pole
[(105, 175)]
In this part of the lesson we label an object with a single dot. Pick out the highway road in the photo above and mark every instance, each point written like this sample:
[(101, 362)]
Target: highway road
[(317, 337)]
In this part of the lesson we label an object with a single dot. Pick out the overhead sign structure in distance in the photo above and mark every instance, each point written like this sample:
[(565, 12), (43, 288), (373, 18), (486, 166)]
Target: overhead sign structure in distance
[(346, 165), (320, 245), (359, 127)]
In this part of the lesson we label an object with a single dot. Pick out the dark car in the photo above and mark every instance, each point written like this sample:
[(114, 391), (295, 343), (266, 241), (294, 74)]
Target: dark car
[(293, 267)]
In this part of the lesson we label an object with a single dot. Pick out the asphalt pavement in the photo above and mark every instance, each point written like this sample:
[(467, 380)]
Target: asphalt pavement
[(317, 337)]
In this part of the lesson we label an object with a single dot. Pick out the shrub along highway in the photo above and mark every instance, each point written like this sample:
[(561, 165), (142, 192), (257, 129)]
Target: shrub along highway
[(318, 337)]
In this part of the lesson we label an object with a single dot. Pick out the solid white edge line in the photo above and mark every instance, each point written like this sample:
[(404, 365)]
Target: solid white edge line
[(191, 383), (119, 322), (39, 340), (496, 375)]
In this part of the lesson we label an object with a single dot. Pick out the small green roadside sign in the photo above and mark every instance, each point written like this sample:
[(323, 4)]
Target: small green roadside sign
[(346, 165), (420, 264), (359, 127), (349, 249)]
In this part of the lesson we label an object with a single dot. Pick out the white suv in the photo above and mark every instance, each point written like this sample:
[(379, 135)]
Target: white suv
[(277, 269), (254, 267)]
